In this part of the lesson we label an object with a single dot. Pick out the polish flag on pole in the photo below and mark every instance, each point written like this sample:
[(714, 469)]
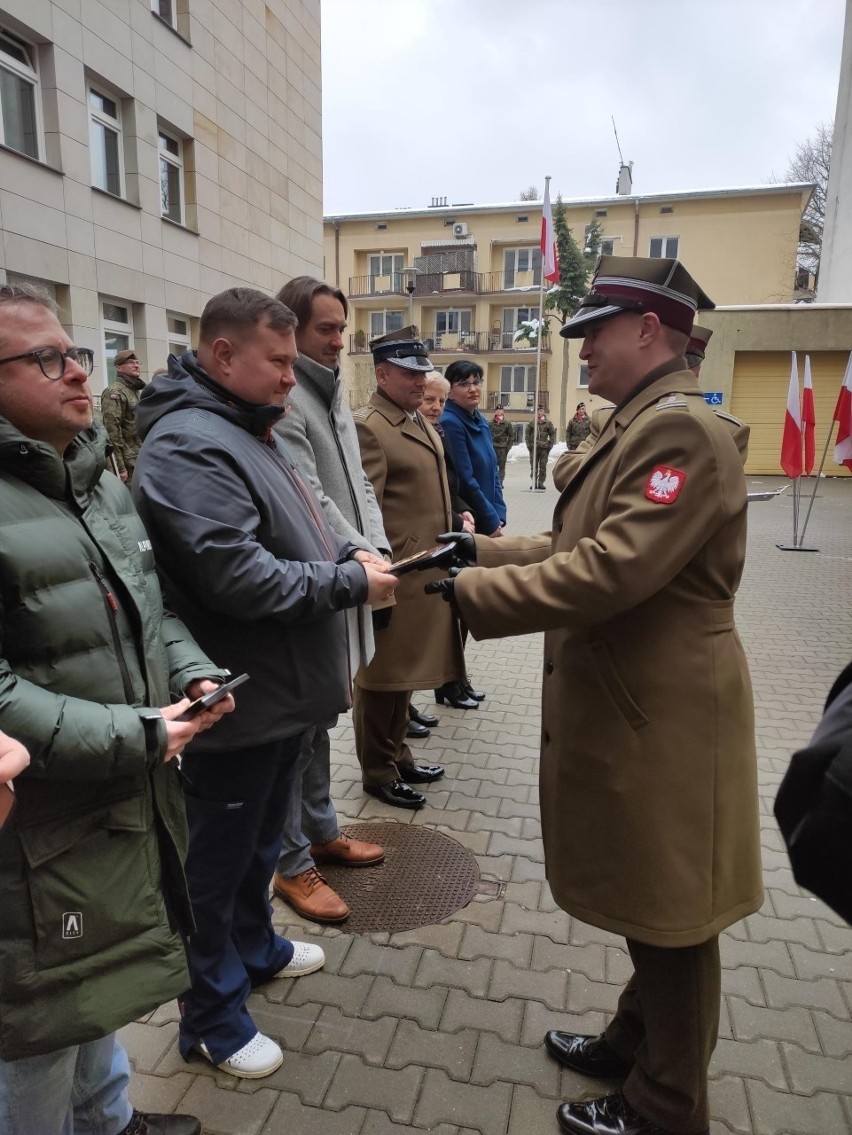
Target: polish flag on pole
[(843, 415), (808, 416), (791, 442), (549, 259)]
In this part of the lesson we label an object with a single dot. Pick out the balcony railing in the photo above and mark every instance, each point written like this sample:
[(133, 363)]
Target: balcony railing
[(461, 342), (519, 400), (442, 283)]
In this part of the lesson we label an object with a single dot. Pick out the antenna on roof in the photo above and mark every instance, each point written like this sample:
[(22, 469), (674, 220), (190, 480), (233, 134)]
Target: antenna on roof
[(624, 184)]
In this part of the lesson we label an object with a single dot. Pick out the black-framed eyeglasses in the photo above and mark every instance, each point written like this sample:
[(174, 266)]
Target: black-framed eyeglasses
[(53, 361)]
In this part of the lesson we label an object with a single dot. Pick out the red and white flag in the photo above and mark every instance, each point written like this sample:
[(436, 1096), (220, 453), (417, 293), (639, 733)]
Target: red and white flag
[(549, 259), (808, 416), (791, 441), (843, 415)]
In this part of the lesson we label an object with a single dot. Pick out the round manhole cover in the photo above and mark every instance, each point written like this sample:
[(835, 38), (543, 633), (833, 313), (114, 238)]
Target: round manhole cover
[(425, 877)]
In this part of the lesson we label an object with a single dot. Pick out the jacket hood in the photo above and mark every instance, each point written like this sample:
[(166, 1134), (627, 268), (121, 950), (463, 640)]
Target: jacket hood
[(188, 386), (38, 464)]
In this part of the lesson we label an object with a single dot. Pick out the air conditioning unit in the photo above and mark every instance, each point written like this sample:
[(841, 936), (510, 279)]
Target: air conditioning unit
[(460, 229)]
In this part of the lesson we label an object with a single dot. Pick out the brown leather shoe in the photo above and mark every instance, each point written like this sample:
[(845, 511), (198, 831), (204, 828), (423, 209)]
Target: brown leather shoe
[(310, 895), (347, 852)]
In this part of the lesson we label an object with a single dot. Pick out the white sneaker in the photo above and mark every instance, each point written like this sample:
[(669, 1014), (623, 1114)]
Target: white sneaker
[(259, 1058), (307, 958)]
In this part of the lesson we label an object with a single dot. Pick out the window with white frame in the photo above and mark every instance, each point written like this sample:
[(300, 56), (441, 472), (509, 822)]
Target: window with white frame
[(663, 246), (117, 332), (179, 333), (385, 263), (453, 322), (584, 375), (166, 10), (513, 317), (171, 177), (607, 247), (518, 264), (517, 380), (19, 102), (383, 321), (105, 141)]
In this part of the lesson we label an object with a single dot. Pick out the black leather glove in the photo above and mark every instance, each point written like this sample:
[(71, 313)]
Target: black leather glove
[(381, 618), (464, 552), (446, 588)]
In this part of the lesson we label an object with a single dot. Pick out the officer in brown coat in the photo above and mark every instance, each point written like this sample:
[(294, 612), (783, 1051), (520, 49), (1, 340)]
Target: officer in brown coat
[(420, 647), (649, 810)]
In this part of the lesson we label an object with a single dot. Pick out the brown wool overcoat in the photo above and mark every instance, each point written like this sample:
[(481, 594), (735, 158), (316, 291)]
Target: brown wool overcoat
[(421, 648), (648, 778)]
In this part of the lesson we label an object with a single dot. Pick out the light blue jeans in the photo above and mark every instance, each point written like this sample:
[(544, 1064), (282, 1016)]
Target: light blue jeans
[(80, 1090)]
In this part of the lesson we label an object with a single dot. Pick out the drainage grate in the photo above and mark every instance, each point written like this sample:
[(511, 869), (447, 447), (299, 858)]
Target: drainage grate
[(426, 877)]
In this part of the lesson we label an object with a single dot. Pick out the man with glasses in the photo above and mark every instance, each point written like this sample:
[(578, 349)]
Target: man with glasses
[(417, 647), (118, 411), (95, 913)]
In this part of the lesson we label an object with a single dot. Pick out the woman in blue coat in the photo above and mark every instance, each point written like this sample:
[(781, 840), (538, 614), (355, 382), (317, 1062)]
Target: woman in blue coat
[(468, 437)]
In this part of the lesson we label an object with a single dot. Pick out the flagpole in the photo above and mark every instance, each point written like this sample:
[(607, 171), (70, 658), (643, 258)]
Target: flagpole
[(792, 446), (819, 474), (538, 339)]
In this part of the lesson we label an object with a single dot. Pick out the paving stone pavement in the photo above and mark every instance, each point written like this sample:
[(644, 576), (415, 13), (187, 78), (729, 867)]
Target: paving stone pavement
[(439, 1029)]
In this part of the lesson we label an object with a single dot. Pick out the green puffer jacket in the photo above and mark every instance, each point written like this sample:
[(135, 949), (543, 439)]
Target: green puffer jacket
[(94, 907)]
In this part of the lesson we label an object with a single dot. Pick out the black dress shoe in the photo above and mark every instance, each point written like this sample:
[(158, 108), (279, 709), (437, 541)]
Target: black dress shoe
[(421, 774), (147, 1123), (456, 695), (417, 731), (611, 1115), (397, 794), (477, 695), (428, 720), (590, 1055)]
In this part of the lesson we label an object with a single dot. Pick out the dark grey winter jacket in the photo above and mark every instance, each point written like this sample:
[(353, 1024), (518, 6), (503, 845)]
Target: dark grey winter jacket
[(245, 555)]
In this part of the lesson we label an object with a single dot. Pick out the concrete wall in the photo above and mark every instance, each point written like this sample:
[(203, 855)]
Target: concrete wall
[(835, 272)]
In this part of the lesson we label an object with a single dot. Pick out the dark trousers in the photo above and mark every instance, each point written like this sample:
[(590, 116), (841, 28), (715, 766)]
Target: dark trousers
[(380, 721), (234, 805), (667, 1024), (501, 463), (538, 475)]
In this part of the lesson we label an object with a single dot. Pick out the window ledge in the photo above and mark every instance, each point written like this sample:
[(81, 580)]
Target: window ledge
[(28, 158), (178, 225), (171, 28), (115, 197)]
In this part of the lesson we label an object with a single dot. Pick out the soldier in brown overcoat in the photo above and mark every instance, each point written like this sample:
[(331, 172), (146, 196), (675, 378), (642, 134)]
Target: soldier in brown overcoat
[(649, 808), (420, 648)]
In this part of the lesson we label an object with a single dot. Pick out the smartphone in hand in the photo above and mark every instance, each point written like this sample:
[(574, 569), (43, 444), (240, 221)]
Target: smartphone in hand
[(206, 700)]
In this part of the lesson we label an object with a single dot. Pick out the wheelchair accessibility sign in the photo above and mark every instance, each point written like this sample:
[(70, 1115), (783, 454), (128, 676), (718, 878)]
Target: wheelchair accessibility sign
[(713, 397)]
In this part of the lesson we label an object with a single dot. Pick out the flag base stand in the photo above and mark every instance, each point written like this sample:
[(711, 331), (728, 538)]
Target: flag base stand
[(795, 548)]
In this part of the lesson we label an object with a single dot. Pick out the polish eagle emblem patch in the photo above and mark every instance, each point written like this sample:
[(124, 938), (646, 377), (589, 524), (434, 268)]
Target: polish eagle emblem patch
[(664, 484)]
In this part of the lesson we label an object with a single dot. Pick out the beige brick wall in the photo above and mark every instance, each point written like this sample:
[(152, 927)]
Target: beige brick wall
[(239, 81)]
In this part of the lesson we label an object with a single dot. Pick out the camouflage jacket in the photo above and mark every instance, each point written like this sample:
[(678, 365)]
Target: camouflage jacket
[(502, 434), (118, 411)]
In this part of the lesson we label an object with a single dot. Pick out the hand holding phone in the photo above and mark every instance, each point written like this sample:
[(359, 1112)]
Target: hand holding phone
[(207, 700)]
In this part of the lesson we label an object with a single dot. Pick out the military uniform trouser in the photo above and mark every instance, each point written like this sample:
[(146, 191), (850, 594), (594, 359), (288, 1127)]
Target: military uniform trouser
[(501, 453), (666, 1025), (541, 457), (380, 721)]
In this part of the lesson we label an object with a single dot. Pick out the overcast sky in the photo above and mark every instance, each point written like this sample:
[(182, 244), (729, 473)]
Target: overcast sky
[(474, 100)]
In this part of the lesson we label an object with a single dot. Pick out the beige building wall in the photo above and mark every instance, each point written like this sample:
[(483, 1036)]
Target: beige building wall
[(235, 86), (739, 243)]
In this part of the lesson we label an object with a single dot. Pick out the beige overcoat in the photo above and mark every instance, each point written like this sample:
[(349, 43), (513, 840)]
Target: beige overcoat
[(648, 778), (421, 648)]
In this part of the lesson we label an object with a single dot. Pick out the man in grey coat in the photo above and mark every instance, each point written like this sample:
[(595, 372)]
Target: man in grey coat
[(319, 433)]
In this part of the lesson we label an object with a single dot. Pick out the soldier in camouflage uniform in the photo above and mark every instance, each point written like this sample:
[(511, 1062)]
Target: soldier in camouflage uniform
[(118, 410), (502, 438), (543, 444)]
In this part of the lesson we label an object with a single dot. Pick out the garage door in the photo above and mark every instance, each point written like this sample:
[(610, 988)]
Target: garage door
[(761, 381)]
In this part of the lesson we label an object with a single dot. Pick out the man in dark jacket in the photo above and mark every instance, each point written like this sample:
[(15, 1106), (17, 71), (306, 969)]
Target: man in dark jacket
[(118, 410), (248, 560), (94, 913)]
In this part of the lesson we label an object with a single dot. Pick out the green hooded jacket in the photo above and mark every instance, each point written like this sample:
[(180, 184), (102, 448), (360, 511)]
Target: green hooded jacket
[(94, 910)]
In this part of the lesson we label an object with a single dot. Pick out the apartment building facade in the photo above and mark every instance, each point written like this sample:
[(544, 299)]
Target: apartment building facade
[(153, 152), (469, 276)]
